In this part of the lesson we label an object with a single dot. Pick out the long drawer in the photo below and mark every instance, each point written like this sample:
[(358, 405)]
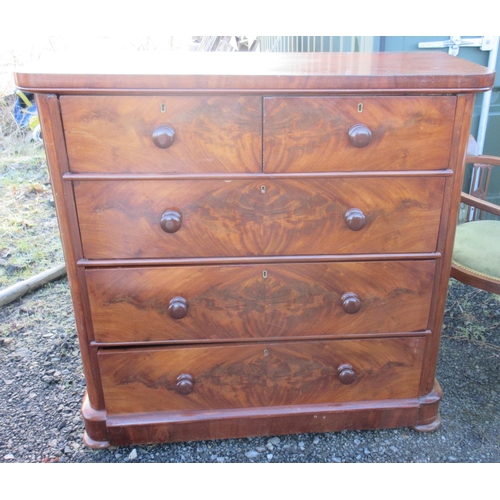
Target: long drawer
[(189, 303), (321, 134), (216, 218), (163, 134), (256, 375)]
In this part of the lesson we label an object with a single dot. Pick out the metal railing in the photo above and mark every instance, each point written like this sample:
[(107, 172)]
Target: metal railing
[(316, 43)]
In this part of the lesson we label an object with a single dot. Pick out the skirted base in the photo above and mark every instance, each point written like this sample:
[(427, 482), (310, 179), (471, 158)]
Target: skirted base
[(102, 431)]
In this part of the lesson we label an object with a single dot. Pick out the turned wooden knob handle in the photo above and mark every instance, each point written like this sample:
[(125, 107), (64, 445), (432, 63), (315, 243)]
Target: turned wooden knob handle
[(171, 221), (350, 303), (355, 219), (185, 384), (178, 308), (346, 374), (360, 135), (164, 136)]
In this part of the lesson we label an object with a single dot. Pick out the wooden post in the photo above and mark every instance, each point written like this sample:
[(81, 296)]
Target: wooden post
[(13, 292)]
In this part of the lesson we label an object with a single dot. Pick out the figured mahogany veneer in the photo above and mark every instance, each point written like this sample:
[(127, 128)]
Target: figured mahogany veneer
[(292, 300), (122, 219), (129, 134), (321, 134), (256, 375), (257, 244)]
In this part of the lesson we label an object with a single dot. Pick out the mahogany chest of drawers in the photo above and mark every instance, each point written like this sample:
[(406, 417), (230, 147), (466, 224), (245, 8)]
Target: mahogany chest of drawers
[(257, 244)]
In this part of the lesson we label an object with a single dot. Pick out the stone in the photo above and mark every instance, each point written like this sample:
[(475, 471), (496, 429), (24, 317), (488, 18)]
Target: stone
[(252, 454), (21, 353), (133, 454)]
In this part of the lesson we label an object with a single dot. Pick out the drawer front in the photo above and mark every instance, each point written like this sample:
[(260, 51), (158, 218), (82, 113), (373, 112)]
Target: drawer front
[(316, 134), (274, 374), (215, 218), (210, 134), (251, 301)]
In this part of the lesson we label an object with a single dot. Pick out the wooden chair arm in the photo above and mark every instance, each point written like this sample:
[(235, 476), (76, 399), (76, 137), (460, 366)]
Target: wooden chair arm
[(480, 204), (488, 160), (473, 157)]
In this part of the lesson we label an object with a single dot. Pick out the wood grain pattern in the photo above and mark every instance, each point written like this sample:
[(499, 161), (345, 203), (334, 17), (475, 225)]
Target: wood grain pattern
[(225, 72), (228, 302), (235, 218), (312, 134), (115, 134), (274, 374), (178, 426), (261, 271), (53, 139), (181, 425)]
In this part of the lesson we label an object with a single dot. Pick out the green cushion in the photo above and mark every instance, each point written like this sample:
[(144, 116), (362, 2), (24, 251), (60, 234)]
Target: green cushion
[(477, 247)]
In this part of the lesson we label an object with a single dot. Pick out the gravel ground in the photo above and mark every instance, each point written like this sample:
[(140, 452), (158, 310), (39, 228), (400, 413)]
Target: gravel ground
[(42, 384)]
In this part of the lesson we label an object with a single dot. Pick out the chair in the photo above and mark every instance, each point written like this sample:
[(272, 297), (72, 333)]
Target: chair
[(476, 253)]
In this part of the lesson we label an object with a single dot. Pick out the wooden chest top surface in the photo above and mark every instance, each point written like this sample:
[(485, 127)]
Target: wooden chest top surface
[(226, 72)]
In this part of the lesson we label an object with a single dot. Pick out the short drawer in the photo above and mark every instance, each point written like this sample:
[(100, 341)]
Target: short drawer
[(186, 303), (319, 134), (118, 134), (217, 218), (257, 375)]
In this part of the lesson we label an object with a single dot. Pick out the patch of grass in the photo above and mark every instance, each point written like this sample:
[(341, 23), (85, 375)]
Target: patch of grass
[(29, 235), (472, 315), (472, 332)]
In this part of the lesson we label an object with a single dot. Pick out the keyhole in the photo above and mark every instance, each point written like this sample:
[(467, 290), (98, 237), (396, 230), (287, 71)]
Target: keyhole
[(163, 108), (266, 352), (360, 108), (264, 274), (263, 189)]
